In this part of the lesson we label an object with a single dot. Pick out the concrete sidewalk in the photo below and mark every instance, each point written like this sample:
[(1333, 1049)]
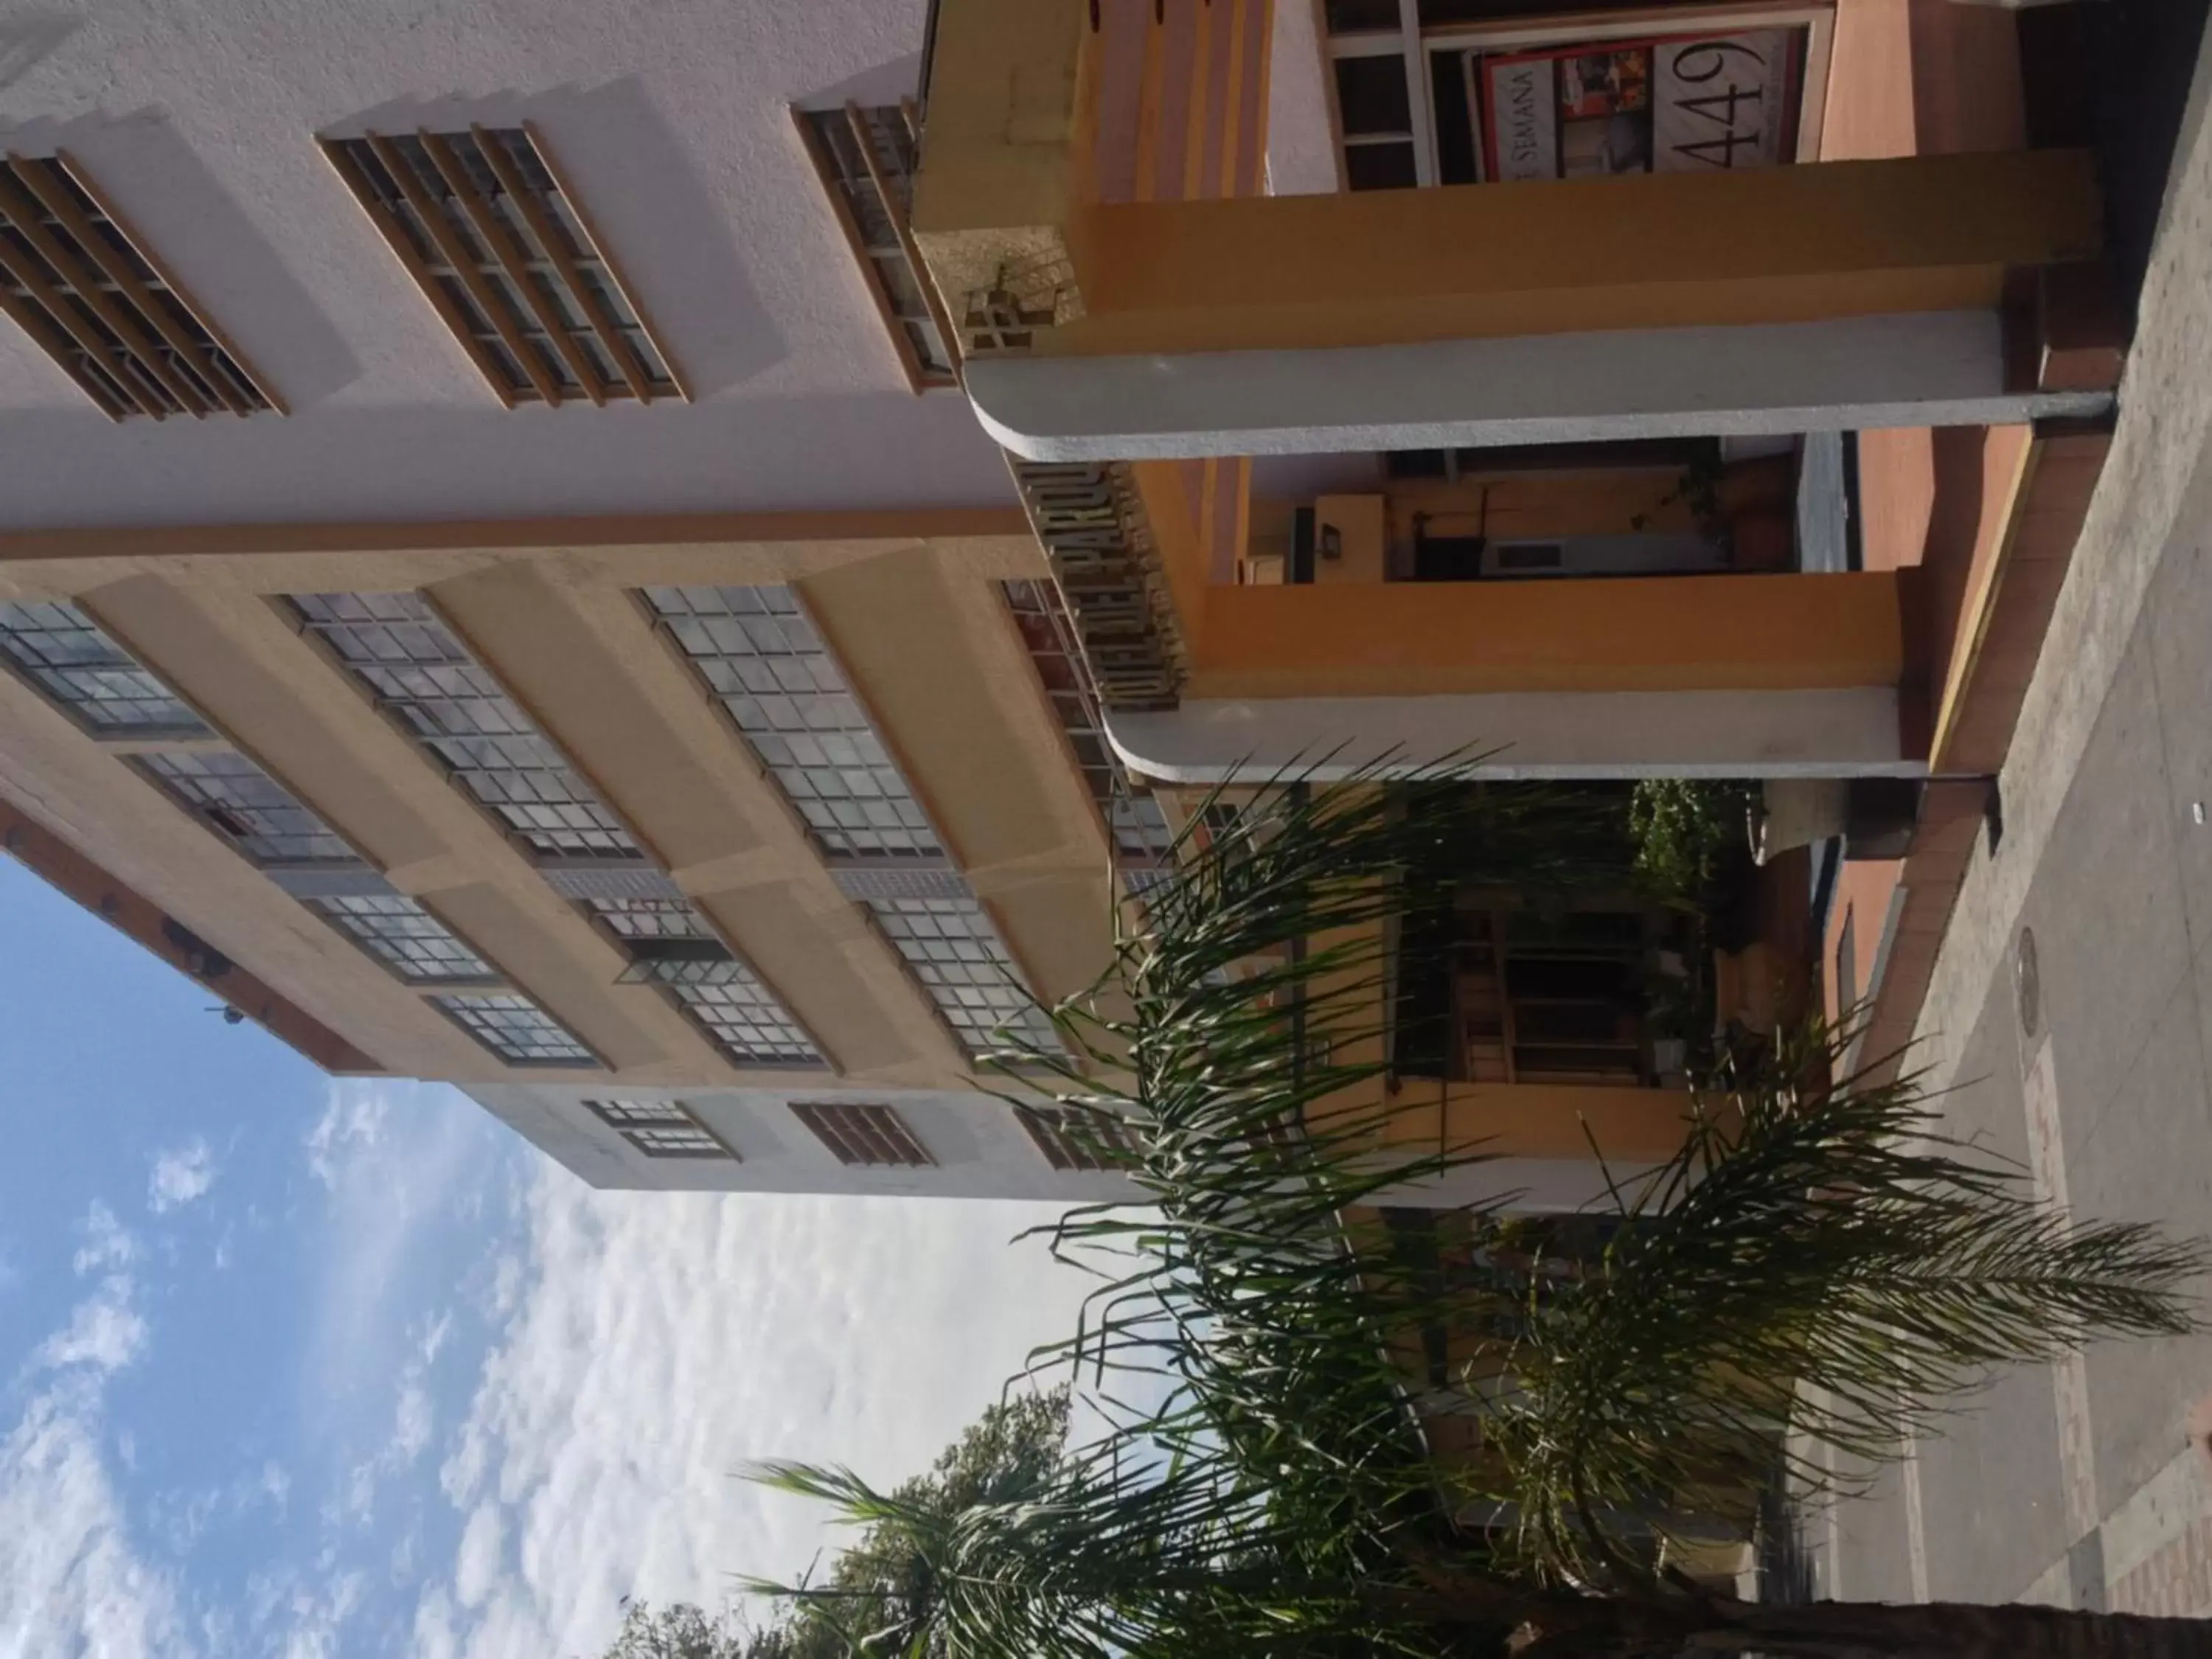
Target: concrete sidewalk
[(2080, 1485)]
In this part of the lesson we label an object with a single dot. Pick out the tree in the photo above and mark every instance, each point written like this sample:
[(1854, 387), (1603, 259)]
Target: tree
[(1817, 1256), (882, 1581), (678, 1631)]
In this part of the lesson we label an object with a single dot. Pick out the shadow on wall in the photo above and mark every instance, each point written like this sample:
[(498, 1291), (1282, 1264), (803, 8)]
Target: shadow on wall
[(159, 183), (27, 39), (883, 84), (663, 226)]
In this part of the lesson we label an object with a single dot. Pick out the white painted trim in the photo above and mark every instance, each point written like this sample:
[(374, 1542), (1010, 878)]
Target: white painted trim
[(1850, 733), (1921, 368), (1417, 100)]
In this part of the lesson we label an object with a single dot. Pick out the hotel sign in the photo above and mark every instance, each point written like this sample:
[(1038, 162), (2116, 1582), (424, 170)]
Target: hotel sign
[(1092, 527)]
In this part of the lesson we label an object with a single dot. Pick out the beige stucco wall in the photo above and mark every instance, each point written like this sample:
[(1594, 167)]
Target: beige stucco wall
[(917, 620)]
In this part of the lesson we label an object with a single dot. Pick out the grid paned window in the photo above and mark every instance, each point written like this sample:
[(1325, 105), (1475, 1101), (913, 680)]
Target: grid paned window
[(650, 917), (866, 160), (483, 223), (626, 1113), (96, 301), (400, 933), (516, 1029), (1072, 1139), (863, 1134), (954, 950), (686, 1140), (746, 1017), (760, 655), (67, 656), (247, 807), (425, 678), (1139, 827)]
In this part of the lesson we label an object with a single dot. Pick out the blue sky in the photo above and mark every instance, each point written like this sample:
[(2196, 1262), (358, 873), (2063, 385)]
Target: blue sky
[(297, 1368)]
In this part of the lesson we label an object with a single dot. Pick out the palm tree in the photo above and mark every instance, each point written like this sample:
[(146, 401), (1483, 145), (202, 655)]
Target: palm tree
[(1817, 1257)]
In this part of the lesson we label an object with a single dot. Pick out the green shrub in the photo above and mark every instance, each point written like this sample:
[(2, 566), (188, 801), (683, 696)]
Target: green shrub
[(1684, 828)]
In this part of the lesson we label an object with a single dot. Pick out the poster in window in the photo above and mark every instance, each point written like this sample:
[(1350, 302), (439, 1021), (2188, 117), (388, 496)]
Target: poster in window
[(1682, 104)]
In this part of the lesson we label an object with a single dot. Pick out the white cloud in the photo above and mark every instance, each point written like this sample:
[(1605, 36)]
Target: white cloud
[(76, 1587), (180, 1178), (398, 1161), (411, 1431), (351, 1126), (658, 1342), (475, 1568), (105, 1333), (108, 1245)]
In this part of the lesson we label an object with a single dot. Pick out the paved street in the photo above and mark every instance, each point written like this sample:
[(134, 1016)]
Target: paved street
[(2081, 1486)]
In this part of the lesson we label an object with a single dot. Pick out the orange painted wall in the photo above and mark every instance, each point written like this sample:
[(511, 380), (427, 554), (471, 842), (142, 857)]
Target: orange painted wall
[(1634, 633)]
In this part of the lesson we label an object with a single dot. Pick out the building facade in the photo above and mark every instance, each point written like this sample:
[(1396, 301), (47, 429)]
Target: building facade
[(510, 572)]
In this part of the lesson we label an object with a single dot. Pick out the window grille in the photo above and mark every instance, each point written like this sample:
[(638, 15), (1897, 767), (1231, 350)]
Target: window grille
[(864, 157), (516, 1029), (93, 298), (483, 223), (68, 656), (863, 1134), (246, 806), (423, 676), (759, 655)]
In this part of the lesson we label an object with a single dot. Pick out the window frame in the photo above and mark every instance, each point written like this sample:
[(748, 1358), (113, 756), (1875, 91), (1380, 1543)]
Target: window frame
[(922, 376), (447, 1004), (392, 710), (200, 731), (555, 232), (938, 853), (993, 937), (849, 1144), (92, 303), (1046, 1127), (490, 979), (147, 764)]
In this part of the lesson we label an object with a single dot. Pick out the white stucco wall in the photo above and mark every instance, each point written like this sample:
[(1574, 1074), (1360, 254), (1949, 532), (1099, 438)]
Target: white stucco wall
[(198, 118), (980, 1150)]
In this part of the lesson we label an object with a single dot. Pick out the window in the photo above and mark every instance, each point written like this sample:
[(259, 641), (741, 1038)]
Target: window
[(863, 1134), (954, 950), (515, 1029), (760, 656), (1072, 1138), (94, 299), (672, 945), (245, 806), (746, 1017), (501, 248), (626, 1114), (650, 917), (689, 1140), (66, 655), (1138, 828), (660, 1129), (400, 933), (426, 680), (865, 161)]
